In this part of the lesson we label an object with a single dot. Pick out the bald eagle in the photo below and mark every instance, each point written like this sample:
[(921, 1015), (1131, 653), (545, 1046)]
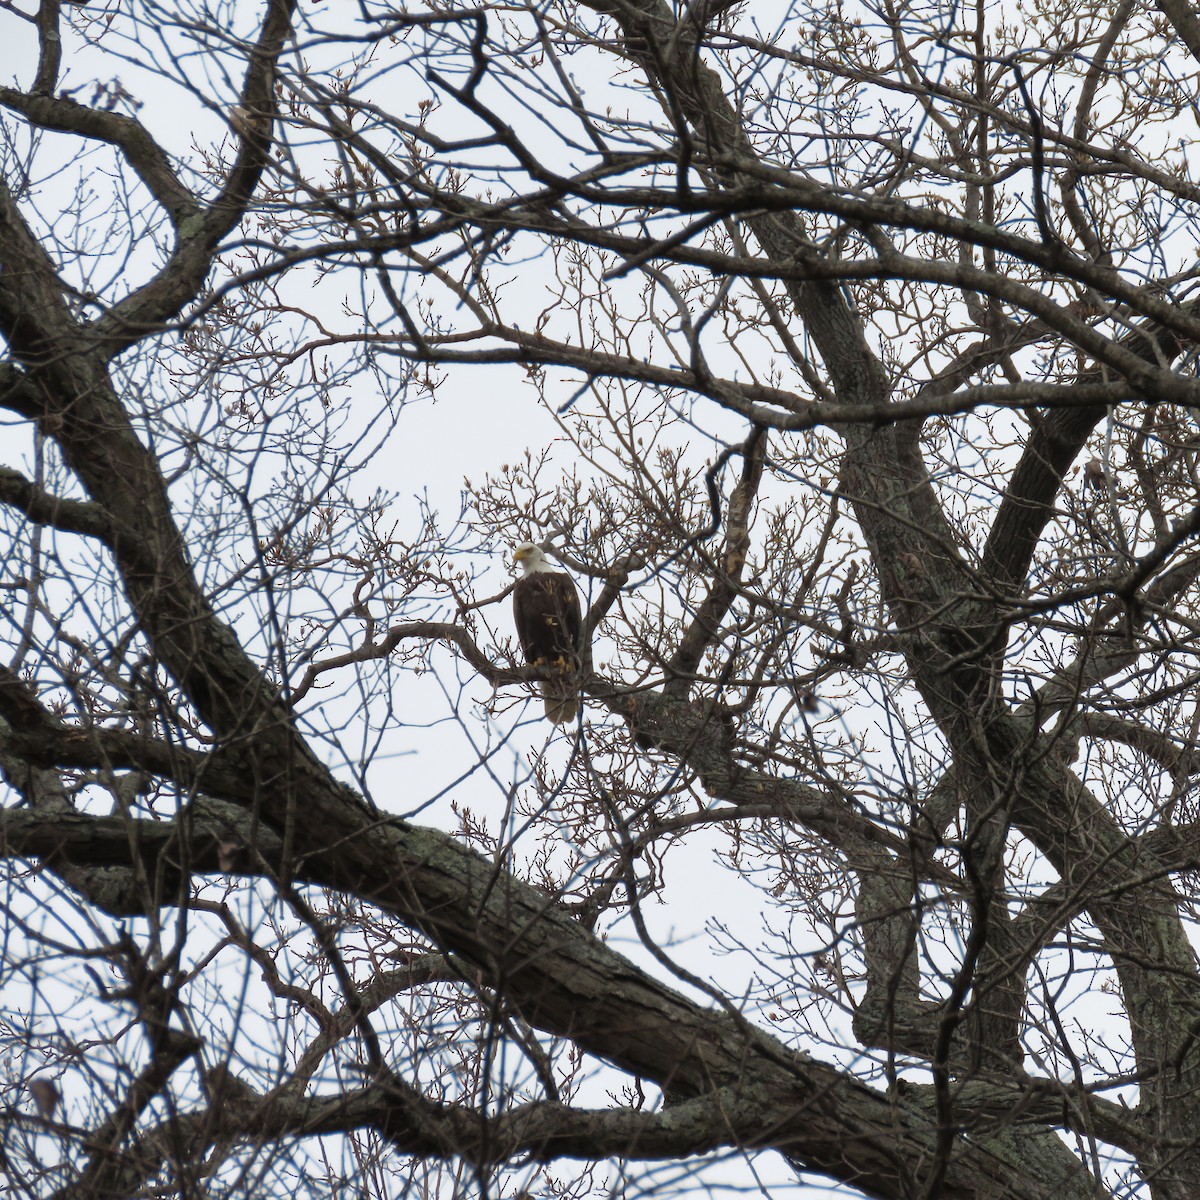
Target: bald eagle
[(546, 611)]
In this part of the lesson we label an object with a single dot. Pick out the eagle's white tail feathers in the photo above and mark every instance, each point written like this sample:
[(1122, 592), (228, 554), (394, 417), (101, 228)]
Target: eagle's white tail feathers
[(562, 701)]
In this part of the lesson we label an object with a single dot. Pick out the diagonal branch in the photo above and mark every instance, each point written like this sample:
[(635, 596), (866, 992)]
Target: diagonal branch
[(200, 234), (60, 512), (131, 137), (705, 626)]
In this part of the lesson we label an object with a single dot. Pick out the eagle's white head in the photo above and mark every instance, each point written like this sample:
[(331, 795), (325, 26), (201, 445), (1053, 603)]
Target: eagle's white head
[(530, 558)]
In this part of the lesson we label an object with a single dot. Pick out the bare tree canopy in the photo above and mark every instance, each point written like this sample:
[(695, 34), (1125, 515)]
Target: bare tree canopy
[(844, 354)]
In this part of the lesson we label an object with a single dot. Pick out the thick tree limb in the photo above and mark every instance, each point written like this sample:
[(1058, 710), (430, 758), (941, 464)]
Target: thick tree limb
[(141, 151)]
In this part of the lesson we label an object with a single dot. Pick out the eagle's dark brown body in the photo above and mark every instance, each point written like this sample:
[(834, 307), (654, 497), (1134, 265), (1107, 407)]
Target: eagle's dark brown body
[(547, 615)]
